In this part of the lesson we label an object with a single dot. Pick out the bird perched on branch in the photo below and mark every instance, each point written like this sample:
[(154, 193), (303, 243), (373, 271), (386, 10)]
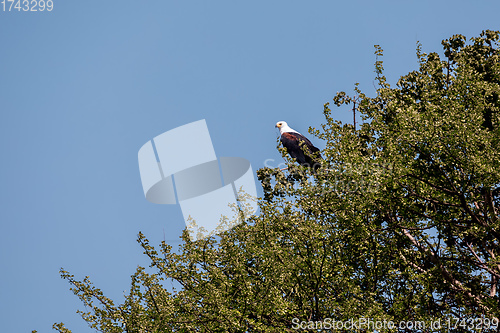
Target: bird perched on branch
[(298, 146)]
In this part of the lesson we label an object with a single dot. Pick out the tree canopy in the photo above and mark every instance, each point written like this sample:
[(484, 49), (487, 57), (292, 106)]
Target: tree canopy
[(401, 223)]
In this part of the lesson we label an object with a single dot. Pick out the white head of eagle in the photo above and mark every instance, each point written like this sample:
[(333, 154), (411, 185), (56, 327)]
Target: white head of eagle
[(307, 155)]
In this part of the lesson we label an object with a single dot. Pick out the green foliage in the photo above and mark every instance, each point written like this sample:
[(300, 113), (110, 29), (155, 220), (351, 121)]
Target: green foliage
[(400, 224)]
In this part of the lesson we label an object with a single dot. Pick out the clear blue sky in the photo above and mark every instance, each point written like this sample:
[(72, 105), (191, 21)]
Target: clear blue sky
[(83, 87)]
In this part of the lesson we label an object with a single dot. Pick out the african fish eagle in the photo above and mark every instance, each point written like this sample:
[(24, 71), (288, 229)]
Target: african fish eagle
[(306, 155)]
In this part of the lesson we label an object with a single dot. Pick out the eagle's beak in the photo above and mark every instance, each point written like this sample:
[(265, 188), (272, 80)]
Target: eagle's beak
[(276, 126)]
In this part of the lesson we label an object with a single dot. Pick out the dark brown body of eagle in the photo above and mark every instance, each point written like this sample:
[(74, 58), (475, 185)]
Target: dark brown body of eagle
[(305, 154)]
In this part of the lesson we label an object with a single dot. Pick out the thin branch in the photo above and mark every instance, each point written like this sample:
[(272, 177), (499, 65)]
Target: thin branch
[(454, 283)]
